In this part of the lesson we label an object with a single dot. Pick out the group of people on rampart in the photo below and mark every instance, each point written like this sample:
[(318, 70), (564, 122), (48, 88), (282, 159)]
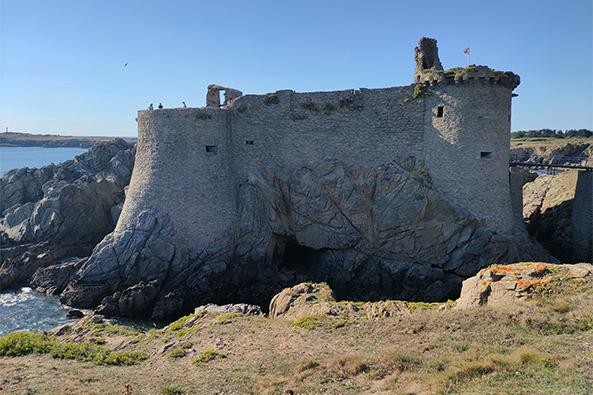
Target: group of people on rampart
[(212, 97)]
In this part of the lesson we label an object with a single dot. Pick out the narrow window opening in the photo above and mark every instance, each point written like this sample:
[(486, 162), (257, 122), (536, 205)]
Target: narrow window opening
[(248, 142), (440, 110), (485, 154), (211, 149)]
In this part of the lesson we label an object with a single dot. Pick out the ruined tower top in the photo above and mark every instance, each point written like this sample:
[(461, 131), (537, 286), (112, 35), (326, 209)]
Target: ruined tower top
[(426, 56)]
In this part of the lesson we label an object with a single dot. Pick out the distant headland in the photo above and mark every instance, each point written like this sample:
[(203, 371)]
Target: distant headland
[(16, 139)]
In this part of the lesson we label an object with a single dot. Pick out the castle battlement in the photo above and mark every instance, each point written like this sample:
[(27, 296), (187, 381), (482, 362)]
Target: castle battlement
[(469, 74)]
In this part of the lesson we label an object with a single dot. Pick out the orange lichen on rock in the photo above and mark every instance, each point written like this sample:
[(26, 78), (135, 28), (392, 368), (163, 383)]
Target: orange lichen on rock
[(526, 283), (502, 269), (540, 266)]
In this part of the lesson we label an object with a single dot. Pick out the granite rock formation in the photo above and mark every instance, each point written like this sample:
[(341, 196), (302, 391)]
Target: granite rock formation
[(302, 300), (547, 210), (370, 232), (507, 284), (60, 211), (565, 153)]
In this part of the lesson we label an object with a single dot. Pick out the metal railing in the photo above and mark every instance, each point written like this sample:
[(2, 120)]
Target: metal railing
[(580, 162)]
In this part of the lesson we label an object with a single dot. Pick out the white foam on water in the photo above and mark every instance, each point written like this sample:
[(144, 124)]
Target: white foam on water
[(26, 309)]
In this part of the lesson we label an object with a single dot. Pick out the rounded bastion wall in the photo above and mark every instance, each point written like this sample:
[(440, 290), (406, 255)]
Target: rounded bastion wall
[(182, 170), (467, 146)]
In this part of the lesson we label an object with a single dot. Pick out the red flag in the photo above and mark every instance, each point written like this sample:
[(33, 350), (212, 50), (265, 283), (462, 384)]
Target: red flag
[(466, 51)]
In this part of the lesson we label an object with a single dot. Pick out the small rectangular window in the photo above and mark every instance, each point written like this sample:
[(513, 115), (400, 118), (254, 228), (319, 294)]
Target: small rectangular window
[(485, 154), (440, 110), (211, 149), (248, 142)]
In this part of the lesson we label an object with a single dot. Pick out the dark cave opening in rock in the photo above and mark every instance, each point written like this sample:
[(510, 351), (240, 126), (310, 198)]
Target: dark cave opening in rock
[(351, 276), (369, 279), (299, 258)]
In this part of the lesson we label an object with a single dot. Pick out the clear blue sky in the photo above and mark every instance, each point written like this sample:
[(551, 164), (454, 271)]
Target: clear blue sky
[(62, 62)]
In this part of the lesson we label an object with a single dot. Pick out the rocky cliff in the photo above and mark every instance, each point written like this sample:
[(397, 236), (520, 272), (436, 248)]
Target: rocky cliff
[(60, 211), (559, 153), (548, 212), (370, 232)]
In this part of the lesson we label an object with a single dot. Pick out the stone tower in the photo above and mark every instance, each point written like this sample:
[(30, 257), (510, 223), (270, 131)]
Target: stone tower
[(426, 57), (467, 129)]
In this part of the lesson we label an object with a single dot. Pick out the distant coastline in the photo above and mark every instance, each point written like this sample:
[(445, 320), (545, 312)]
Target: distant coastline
[(15, 139)]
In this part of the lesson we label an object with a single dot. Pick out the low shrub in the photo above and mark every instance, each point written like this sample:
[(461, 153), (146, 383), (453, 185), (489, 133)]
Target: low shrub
[(25, 343), (171, 390), (180, 323), (346, 366), (207, 356), (227, 318), (177, 353), (307, 322)]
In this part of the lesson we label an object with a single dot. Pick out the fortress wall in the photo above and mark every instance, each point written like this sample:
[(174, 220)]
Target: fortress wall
[(367, 127), (176, 176), (467, 149)]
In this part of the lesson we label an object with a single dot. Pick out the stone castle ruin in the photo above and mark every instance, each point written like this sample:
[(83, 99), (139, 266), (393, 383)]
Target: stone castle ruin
[(396, 192)]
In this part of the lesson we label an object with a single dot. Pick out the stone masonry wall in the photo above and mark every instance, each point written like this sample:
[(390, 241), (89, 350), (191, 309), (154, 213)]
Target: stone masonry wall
[(176, 176), (467, 149), (367, 127), (190, 162)]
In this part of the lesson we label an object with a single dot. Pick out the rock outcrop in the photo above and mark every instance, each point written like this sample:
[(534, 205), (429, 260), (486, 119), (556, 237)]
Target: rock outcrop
[(370, 233), (507, 284), (547, 210), (567, 153), (60, 211), (302, 299)]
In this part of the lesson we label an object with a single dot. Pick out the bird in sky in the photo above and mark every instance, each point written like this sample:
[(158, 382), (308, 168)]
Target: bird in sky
[(125, 65)]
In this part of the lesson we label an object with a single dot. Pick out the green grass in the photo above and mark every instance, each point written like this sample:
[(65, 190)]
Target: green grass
[(514, 372), (171, 390), (177, 353), (418, 91), (227, 318), (180, 323), (25, 343), (110, 329), (307, 322), (207, 356)]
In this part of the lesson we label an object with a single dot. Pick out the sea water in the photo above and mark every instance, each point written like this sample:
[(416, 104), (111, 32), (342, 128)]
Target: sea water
[(17, 157), (24, 308)]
